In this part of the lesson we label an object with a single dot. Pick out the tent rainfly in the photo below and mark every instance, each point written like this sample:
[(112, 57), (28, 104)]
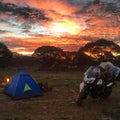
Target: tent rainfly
[(22, 85)]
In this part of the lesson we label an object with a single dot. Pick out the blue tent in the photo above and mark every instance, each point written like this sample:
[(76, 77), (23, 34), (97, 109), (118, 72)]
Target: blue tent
[(22, 85)]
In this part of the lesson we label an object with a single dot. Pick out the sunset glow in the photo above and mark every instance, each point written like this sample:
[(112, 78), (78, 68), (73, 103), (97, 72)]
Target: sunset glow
[(68, 24), (93, 55), (65, 27)]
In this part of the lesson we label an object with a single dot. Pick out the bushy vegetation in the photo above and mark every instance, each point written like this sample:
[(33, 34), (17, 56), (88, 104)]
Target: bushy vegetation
[(55, 59), (5, 55)]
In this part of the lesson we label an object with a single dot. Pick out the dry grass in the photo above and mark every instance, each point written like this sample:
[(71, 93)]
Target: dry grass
[(60, 103)]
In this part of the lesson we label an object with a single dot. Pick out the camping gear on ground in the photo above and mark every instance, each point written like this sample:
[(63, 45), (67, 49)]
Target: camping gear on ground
[(22, 85), (94, 85), (45, 86)]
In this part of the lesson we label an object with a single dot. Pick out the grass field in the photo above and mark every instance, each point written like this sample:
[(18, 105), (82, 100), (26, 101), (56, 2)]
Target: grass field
[(60, 103)]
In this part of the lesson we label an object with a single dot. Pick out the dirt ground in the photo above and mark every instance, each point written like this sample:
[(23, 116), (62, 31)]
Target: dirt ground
[(58, 104)]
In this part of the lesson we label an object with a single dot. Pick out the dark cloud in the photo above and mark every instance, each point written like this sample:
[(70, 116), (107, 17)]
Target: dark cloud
[(24, 12), (77, 2), (97, 9), (4, 32), (101, 6)]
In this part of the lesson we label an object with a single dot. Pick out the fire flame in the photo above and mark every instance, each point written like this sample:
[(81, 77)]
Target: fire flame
[(7, 80)]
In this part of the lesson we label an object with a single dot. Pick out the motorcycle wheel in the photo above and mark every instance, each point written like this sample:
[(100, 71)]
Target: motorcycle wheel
[(107, 92), (83, 94)]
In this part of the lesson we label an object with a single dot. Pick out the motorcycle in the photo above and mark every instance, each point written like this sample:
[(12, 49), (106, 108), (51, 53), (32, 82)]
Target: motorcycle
[(96, 85)]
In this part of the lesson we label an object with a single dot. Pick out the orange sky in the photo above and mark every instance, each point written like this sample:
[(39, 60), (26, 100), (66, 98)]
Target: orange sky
[(26, 25)]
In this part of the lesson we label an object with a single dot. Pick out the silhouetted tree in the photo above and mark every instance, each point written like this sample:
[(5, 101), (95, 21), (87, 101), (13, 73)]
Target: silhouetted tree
[(82, 60), (118, 60), (101, 49), (50, 56), (5, 54)]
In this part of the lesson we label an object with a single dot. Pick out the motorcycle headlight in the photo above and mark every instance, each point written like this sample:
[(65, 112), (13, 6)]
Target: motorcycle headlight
[(89, 80), (100, 82)]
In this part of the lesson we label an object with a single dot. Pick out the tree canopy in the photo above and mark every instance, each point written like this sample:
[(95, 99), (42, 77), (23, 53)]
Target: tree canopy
[(101, 48), (4, 51), (5, 55)]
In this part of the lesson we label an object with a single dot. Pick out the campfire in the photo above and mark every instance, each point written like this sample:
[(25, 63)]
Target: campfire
[(6, 81)]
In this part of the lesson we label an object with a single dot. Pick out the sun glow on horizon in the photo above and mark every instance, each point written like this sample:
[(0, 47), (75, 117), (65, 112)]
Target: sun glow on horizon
[(100, 54), (65, 27), (25, 53)]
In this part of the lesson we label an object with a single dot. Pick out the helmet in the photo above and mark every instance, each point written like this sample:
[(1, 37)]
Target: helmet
[(96, 72)]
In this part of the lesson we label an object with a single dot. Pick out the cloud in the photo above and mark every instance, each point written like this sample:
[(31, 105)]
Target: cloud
[(69, 24), (24, 12), (5, 32), (30, 44)]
